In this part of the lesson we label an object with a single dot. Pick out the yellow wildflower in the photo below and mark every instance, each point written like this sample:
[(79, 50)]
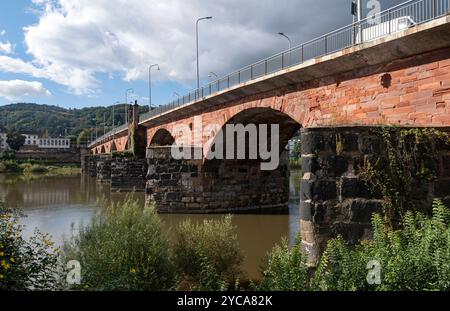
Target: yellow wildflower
[(133, 270), (12, 259), (2, 254), (1, 276), (5, 265)]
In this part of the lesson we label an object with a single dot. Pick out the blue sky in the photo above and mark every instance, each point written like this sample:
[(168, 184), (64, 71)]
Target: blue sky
[(79, 53)]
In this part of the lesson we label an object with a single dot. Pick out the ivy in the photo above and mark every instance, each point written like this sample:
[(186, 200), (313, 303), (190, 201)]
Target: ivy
[(408, 158)]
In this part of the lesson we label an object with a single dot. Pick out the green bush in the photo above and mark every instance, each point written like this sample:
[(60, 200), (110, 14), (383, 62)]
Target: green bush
[(415, 257), (25, 264), (33, 168), (207, 255), (122, 154), (286, 269), (8, 155), (11, 166), (123, 249)]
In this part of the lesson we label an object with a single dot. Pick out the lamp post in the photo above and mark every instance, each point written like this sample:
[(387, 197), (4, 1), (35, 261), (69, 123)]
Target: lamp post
[(211, 74), (290, 46), (150, 84), (289, 39), (177, 95), (126, 103), (196, 39)]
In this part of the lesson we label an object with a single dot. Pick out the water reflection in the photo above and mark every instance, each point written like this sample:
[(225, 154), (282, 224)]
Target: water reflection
[(60, 205)]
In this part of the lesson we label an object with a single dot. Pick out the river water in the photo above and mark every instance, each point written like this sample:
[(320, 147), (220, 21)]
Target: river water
[(60, 205)]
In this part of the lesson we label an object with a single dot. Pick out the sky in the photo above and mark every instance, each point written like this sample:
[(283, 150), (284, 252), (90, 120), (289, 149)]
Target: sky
[(82, 53)]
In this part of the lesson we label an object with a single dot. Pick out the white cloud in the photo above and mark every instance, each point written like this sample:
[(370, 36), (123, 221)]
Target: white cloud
[(103, 36), (75, 40), (6, 47), (15, 89), (77, 80), (2, 32)]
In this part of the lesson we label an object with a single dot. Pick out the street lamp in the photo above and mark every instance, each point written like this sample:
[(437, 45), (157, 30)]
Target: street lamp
[(150, 84), (290, 45), (289, 39), (126, 103), (211, 74), (196, 39), (177, 95)]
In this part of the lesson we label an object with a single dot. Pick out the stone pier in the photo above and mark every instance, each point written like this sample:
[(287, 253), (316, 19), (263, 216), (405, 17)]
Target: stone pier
[(198, 186), (337, 200)]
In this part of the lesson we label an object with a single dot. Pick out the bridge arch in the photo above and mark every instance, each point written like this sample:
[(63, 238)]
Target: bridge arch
[(113, 146), (253, 118), (241, 183), (162, 137)]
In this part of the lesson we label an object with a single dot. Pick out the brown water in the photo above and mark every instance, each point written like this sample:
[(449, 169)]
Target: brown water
[(59, 205)]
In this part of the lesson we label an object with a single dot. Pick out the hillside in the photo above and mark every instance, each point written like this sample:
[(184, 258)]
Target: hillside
[(26, 117)]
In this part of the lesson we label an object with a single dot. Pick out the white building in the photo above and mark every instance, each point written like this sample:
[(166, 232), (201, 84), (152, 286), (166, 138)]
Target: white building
[(31, 139), (3, 144), (54, 143)]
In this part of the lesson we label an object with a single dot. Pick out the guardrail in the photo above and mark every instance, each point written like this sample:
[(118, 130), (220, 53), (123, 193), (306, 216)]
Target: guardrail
[(397, 18)]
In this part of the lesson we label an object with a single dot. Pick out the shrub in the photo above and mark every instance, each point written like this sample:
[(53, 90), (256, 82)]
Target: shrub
[(122, 154), (11, 166), (286, 269), (25, 264), (123, 249), (8, 155), (33, 168), (207, 255), (415, 257)]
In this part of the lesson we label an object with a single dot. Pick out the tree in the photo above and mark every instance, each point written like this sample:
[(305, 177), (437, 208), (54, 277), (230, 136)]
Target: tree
[(297, 150), (15, 140), (83, 137)]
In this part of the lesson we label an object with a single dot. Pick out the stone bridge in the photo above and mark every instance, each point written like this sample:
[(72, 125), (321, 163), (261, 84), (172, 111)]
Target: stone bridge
[(337, 101)]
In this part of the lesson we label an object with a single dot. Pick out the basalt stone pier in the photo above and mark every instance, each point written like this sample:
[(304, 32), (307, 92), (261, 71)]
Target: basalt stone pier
[(196, 186), (336, 196), (124, 174)]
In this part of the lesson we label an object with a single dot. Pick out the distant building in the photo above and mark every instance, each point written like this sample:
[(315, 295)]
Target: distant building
[(54, 143), (3, 138), (31, 139)]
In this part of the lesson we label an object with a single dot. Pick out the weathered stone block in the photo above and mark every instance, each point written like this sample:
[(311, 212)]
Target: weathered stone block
[(355, 188)]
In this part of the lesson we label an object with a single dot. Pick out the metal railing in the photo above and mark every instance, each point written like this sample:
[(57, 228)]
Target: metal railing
[(397, 18)]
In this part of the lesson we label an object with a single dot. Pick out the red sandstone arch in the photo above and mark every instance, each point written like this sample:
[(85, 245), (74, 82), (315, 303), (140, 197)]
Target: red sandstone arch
[(113, 146), (258, 116), (162, 137)]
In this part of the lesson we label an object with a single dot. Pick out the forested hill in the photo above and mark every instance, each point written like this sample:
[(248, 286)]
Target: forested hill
[(26, 117)]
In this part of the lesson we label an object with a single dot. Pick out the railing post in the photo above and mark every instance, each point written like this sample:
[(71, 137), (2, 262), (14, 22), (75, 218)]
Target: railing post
[(251, 72), (326, 45), (282, 60), (239, 75), (228, 81), (433, 8), (303, 53), (390, 21), (265, 67)]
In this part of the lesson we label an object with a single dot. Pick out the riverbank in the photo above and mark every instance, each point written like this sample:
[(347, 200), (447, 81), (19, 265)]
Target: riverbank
[(35, 170)]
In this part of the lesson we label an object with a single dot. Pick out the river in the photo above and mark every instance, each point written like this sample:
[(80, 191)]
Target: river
[(60, 205)]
